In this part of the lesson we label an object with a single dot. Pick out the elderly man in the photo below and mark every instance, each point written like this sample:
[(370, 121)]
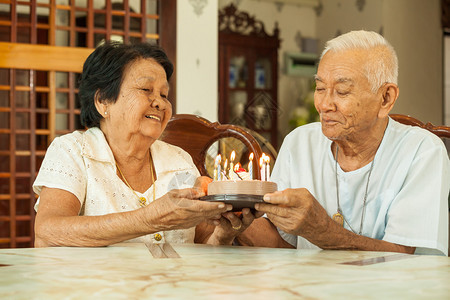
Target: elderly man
[(358, 180)]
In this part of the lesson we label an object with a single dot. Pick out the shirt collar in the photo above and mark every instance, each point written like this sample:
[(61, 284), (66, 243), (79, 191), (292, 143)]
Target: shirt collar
[(95, 146), (169, 158)]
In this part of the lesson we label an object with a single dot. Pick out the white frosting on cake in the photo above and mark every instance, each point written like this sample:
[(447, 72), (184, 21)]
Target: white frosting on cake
[(248, 187), (244, 175)]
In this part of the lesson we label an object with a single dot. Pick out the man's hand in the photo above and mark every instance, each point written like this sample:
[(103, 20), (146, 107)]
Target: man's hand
[(295, 211)]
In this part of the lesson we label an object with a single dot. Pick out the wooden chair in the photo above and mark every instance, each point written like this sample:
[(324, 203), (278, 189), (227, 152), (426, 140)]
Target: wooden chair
[(440, 131), (195, 135)]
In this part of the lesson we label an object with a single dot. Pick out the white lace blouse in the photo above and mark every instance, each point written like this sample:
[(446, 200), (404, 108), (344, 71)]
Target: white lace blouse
[(82, 163)]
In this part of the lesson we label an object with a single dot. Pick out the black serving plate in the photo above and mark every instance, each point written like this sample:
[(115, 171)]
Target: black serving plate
[(239, 201)]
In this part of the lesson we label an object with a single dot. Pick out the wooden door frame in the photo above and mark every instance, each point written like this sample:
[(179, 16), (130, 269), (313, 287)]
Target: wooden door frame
[(168, 41)]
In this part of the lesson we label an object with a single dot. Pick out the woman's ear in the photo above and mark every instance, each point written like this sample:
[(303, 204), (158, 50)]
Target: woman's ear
[(389, 96), (102, 106)]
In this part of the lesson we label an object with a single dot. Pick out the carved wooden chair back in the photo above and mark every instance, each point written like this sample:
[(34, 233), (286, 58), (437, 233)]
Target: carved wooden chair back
[(440, 130), (195, 135)]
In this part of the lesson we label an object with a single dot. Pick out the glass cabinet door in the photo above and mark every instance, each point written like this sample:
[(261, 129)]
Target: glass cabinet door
[(262, 105), (251, 99), (260, 110), (238, 72), (237, 103), (248, 73), (238, 84), (263, 73)]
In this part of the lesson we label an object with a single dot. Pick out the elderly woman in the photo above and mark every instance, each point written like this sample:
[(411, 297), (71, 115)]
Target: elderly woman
[(116, 181)]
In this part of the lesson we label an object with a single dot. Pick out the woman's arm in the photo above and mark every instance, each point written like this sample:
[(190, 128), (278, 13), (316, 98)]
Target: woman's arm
[(58, 223)]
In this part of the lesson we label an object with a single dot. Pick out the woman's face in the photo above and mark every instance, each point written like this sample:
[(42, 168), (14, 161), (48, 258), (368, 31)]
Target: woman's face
[(142, 107)]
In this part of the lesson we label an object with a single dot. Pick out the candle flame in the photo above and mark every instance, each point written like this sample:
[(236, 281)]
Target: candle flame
[(237, 167), (261, 160), (251, 156), (217, 160), (233, 155)]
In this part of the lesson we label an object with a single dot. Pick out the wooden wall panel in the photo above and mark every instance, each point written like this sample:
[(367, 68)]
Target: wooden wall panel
[(41, 56)]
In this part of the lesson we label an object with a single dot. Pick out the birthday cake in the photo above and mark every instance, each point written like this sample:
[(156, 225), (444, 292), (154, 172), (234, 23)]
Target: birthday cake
[(234, 185), (241, 187)]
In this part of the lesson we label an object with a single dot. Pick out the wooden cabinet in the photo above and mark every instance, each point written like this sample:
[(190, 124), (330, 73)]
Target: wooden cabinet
[(248, 73)]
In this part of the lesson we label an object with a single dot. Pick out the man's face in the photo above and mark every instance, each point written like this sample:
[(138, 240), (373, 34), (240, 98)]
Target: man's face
[(348, 109)]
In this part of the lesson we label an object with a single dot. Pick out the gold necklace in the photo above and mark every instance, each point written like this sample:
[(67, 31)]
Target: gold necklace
[(142, 200)]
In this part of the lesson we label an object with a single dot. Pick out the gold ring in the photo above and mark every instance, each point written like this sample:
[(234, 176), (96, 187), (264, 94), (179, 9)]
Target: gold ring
[(236, 227)]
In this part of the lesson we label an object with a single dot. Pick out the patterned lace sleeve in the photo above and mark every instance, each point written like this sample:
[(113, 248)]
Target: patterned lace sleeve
[(63, 168)]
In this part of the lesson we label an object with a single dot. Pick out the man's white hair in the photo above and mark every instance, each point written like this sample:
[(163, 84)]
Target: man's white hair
[(381, 66)]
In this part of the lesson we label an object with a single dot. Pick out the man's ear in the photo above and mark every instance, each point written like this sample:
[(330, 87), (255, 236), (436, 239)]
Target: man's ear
[(389, 95), (101, 106)]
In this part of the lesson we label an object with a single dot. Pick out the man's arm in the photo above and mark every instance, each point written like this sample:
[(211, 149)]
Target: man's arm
[(339, 238), (297, 212)]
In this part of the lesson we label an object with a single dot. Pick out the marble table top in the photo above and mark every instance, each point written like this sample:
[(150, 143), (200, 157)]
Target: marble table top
[(129, 271)]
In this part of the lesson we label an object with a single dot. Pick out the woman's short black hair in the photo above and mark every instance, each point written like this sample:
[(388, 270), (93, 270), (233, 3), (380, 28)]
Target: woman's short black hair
[(103, 74)]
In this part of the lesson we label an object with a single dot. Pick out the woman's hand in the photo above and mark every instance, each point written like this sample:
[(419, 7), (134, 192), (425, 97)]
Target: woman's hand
[(201, 183), (229, 226), (178, 209)]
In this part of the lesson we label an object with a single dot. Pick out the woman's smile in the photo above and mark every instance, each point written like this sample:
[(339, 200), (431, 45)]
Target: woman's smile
[(153, 117)]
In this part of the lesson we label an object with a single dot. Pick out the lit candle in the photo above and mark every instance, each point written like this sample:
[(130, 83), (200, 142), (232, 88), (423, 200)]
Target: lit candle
[(217, 167), (268, 168), (224, 172), (219, 171), (232, 157), (262, 168), (250, 166)]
